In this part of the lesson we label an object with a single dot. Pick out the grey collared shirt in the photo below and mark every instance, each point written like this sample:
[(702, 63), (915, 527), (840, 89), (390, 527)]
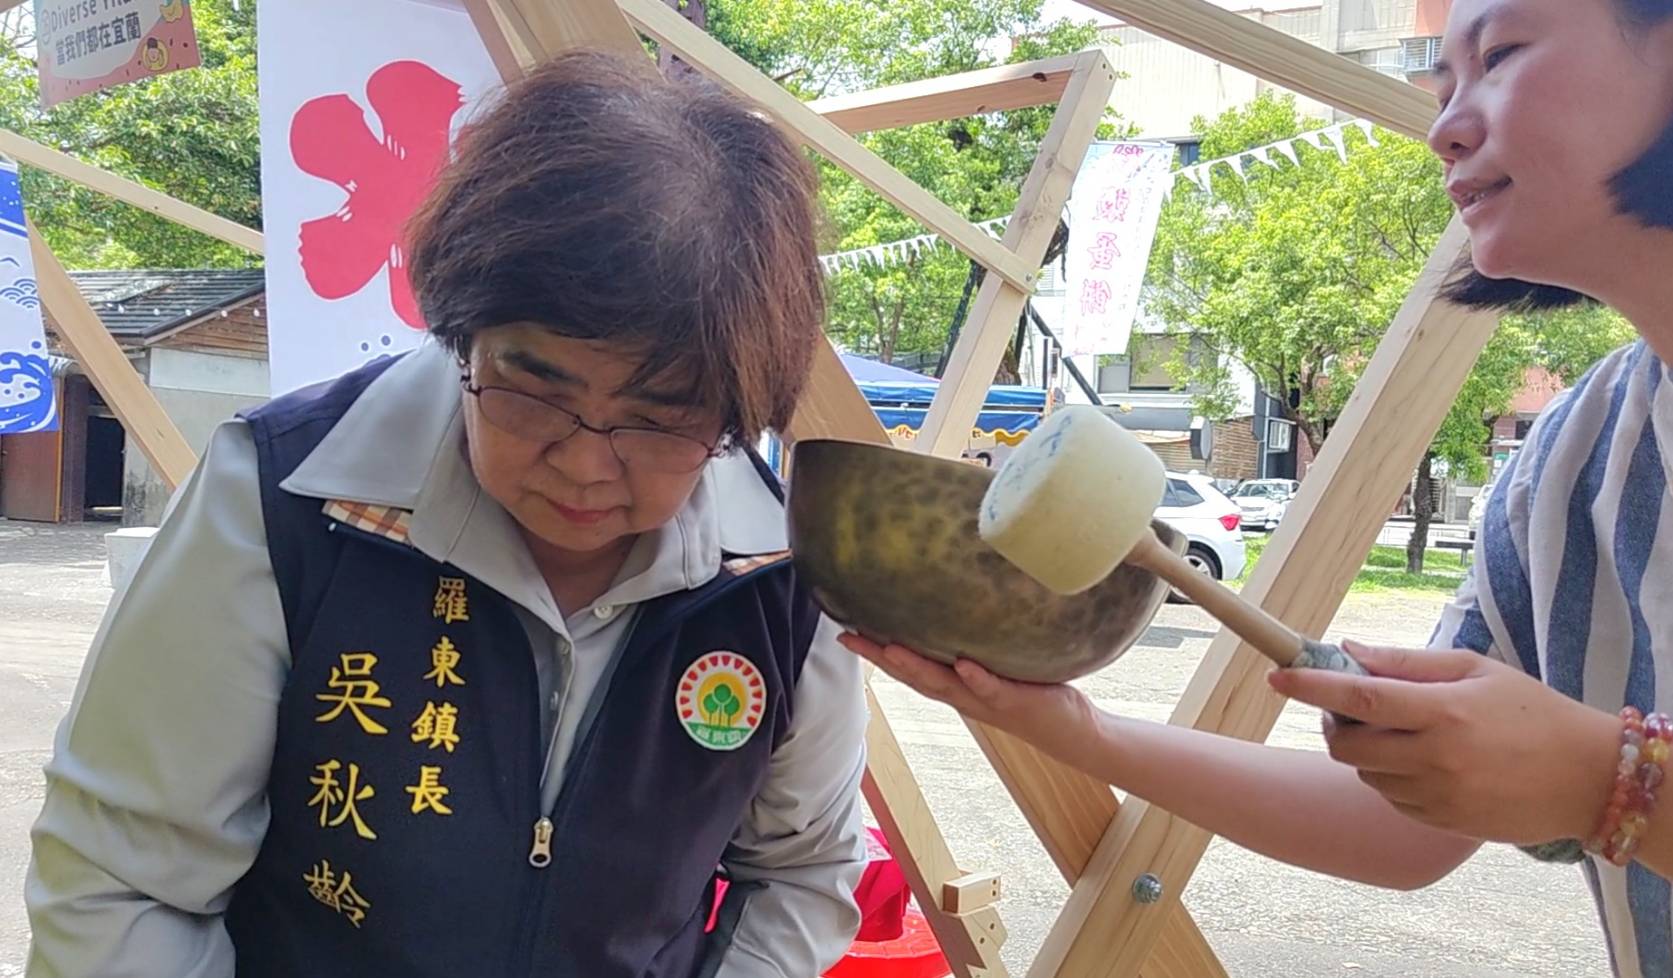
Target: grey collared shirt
[(156, 794)]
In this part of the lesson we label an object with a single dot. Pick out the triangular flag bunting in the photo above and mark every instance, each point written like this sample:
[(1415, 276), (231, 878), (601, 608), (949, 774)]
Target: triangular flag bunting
[(1334, 134), (1369, 130), (1287, 147), (1263, 154)]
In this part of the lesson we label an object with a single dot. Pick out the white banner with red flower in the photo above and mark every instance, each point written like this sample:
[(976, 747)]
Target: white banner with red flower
[(359, 102), (1113, 210)]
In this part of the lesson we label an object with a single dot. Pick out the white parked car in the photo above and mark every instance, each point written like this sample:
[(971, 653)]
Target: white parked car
[(1210, 522), (1264, 502)]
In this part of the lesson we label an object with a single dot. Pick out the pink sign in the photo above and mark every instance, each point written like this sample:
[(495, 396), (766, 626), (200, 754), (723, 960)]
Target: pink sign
[(87, 45)]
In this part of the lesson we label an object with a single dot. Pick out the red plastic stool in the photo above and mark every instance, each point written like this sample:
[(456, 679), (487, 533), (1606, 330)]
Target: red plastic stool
[(914, 954)]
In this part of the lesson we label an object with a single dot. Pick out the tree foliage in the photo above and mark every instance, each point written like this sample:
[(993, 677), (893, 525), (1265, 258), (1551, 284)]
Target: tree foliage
[(192, 134), (1297, 272)]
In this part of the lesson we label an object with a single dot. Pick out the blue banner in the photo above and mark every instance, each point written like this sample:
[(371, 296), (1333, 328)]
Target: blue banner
[(28, 401)]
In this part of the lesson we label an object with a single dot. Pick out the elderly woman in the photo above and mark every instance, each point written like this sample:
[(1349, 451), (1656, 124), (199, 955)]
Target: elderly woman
[(487, 660), (1534, 719)]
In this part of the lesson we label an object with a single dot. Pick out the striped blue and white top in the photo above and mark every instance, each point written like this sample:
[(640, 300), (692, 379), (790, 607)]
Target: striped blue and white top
[(1563, 588)]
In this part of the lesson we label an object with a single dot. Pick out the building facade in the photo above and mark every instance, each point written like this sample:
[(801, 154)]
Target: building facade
[(199, 340)]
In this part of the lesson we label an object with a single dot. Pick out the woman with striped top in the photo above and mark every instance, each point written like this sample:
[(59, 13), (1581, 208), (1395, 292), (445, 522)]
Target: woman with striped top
[(1518, 726)]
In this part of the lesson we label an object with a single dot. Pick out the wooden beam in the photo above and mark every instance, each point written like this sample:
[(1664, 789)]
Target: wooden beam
[(1017, 86), (832, 405), (920, 850), (1281, 59), (988, 927), (968, 893), (48, 159), (505, 34), (712, 58), (557, 25), (108, 368), (1375, 445), (993, 317)]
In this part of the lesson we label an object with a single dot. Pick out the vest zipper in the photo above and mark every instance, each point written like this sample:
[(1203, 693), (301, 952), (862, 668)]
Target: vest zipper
[(541, 855), (545, 825)]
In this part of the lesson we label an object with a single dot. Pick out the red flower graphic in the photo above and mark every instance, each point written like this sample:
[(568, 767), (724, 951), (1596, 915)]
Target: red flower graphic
[(385, 180)]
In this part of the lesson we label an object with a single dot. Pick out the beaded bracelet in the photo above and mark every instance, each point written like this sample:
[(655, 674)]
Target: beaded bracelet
[(1646, 743)]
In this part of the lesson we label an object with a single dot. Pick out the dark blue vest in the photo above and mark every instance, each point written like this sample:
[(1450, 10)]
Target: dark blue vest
[(405, 787)]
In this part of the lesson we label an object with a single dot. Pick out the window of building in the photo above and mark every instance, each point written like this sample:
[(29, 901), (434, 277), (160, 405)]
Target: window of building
[(1147, 366), (1389, 61), (1421, 53), (1152, 358)]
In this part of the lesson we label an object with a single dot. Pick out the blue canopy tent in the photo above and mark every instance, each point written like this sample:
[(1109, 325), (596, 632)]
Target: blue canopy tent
[(902, 398)]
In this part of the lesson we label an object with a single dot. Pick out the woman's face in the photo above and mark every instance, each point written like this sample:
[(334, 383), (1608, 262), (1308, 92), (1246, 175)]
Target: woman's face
[(1543, 102), (576, 494)]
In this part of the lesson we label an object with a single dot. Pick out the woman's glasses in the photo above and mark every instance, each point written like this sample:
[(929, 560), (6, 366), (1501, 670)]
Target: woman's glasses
[(649, 449)]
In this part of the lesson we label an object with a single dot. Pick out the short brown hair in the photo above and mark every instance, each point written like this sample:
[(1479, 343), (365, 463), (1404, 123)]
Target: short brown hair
[(607, 203)]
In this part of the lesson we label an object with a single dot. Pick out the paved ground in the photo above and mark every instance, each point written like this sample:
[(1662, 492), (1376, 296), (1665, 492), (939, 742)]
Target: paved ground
[(1500, 916)]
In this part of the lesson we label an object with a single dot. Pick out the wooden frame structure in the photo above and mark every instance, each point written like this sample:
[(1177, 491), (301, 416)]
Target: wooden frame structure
[(1101, 847)]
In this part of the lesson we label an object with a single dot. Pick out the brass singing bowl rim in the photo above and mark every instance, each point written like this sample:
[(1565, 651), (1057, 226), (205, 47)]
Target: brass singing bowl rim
[(855, 508)]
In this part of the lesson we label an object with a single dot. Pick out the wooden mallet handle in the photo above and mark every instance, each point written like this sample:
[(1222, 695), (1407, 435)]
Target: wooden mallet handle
[(1269, 636)]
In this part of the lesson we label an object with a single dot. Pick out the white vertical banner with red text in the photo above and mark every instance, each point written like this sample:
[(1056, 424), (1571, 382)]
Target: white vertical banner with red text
[(359, 105), (1113, 210)]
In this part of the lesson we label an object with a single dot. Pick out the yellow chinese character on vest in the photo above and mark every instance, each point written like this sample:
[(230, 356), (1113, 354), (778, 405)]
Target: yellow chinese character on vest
[(428, 792), (331, 792), (354, 688), (444, 657), (451, 603), (339, 895), (438, 725)]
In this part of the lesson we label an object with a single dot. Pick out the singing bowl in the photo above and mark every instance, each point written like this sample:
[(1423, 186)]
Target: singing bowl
[(886, 540)]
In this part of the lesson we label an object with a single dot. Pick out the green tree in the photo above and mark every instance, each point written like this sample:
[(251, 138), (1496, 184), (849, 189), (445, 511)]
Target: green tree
[(975, 165), (1297, 272), (192, 134), (1459, 444), (1566, 343), (1569, 342)]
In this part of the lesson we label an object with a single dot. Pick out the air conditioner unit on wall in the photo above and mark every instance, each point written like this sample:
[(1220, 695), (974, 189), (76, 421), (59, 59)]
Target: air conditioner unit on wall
[(1280, 435)]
